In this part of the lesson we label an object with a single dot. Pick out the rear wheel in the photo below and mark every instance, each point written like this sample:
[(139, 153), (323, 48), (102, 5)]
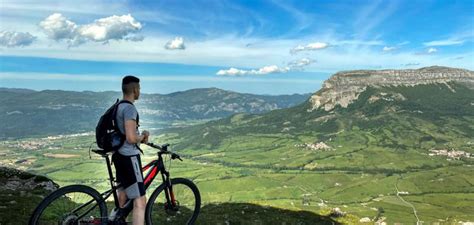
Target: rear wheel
[(75, 204), (185, 210)]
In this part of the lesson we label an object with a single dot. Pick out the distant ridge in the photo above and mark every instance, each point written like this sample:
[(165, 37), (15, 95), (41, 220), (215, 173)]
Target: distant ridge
[(16, 90), (344, 87)]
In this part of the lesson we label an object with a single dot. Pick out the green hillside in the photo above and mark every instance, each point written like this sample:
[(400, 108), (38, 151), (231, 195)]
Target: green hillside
[(22, 192), (429, 116), (26, 113), (379, 144)]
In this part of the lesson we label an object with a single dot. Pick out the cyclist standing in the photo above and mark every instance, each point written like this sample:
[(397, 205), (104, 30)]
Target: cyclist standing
[(127, 159)]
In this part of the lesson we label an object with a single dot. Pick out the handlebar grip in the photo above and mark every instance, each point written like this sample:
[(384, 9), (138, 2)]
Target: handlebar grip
[(176, 156), (153, 145), (162, 148)]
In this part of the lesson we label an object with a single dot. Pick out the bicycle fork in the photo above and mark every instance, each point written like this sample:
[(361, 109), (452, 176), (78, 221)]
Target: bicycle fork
[(171, 203)]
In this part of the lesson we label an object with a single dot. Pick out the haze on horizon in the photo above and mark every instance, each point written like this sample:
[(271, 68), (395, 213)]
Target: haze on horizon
[(261, 47)]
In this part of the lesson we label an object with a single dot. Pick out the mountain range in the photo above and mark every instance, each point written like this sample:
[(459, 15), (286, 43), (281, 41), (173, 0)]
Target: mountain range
[(399, 112), (50, 112)]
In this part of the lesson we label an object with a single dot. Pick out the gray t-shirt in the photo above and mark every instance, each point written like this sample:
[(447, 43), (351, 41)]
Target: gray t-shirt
[(126, 111)]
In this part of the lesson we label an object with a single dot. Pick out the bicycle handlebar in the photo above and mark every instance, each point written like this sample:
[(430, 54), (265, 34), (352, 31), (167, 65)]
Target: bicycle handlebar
[(164, 149)]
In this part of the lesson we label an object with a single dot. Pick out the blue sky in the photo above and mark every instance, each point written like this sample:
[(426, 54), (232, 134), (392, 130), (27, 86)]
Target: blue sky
[(264, 47)]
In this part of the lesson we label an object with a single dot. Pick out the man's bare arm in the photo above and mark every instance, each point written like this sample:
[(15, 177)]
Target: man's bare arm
[(131, 132)]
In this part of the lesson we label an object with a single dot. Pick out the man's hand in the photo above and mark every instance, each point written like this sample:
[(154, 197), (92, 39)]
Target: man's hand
[(145, 134)]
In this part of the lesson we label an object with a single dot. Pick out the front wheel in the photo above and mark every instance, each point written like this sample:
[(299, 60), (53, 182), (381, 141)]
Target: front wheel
[(74, 204), (185, 210)]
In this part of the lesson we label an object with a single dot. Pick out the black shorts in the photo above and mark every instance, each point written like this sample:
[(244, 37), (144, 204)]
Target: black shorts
[(129, 174)]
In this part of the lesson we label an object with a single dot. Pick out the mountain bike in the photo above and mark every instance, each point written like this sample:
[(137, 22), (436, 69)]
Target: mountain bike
[(175, 201)]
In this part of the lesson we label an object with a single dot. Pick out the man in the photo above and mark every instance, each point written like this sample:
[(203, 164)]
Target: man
[(127, 160)]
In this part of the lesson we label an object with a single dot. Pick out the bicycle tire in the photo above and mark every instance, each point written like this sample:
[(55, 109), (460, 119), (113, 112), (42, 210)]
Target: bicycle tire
[(55, 197), (176, 182)]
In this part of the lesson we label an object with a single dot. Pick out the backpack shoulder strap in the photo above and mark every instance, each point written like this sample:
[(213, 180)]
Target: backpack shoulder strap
[(114, 112), (129, 102)]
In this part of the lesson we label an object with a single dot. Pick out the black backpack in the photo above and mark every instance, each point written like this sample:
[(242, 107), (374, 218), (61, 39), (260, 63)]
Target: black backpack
[(107, 134)]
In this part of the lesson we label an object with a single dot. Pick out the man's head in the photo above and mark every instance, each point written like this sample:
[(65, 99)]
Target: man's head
[(131, 86)]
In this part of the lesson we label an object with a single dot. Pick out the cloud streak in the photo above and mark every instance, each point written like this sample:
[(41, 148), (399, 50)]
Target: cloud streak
[(446, 42), (301, 63), (293, 65), (151, 78), (262, 71), (309, 47)]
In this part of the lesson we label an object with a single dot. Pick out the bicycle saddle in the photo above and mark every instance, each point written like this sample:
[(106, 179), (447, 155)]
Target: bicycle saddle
[(100, 152)]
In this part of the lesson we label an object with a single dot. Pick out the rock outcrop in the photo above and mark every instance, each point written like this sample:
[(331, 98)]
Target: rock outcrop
[(344, 87), (16, 181), (20, 193)]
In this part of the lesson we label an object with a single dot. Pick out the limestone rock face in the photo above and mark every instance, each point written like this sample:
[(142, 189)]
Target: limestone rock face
[(344, 87)]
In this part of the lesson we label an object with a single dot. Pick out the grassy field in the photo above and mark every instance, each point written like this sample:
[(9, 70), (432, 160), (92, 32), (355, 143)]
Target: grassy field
[(284, 176)]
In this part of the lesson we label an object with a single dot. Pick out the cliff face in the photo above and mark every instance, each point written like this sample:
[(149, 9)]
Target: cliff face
[(344, 87)]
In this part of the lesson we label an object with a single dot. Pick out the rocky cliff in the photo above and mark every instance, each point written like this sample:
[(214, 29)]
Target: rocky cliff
[(344, 87), (20, 193)]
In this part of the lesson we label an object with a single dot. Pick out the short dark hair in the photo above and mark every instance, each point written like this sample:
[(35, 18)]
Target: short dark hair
[(128, 83), (130, 79)]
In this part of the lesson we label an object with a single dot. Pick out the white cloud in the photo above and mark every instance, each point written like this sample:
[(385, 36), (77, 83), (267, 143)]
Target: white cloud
[(429, 51), (230, 51), (232, 72), (272, 69), (262, 71), (15, 39), (446, 42), (58, 27), (357, 42), (388, 49), (110, 28), (299, 64), (432, 50), (176, 43), (310, 47)]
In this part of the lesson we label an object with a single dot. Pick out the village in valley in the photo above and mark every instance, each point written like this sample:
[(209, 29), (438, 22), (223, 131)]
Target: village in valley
[(450, 154)]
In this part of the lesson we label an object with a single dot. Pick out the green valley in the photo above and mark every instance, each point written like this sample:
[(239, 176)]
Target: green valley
[(383, 153)]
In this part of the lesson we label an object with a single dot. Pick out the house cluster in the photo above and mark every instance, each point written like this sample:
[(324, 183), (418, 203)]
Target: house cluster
[(451, 154), (61, 136), (315, 146), (26, 145)]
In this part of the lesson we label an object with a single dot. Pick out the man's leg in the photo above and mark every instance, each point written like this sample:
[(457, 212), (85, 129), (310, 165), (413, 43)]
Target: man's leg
[(139, 205), (122, 166), (122, 197)]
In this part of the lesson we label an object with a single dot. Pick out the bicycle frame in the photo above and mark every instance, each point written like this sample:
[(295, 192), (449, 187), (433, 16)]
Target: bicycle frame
[(156, 166)]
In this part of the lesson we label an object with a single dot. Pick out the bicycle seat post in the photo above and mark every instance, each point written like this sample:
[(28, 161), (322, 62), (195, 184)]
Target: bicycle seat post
[(111, 178)]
